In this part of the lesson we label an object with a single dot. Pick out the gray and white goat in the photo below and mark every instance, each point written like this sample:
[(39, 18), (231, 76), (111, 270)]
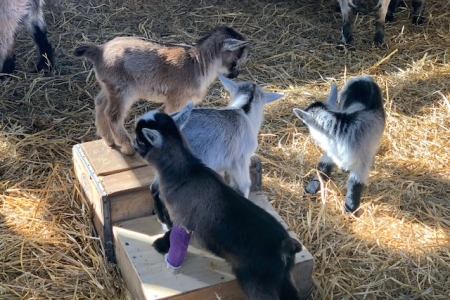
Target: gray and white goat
[(129, 68), (259, 249), (349, 134), (14, 16), (385, 10), (226, 138)]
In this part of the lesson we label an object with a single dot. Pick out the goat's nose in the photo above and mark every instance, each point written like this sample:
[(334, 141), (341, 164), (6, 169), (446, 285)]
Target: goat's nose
[(233, 74)]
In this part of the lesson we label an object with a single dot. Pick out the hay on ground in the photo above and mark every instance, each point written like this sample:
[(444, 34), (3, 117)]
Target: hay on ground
[(399, 248)]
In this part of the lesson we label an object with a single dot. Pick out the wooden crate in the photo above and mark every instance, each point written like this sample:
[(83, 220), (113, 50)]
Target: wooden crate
[(117, 186), (202, 275)]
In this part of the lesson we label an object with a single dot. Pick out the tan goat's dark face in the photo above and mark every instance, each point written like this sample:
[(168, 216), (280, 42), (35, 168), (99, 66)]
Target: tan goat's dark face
[(232, 60)]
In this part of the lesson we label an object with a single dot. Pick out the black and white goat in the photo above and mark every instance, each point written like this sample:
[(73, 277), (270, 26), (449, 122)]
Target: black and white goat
[(223, 139), (129, 68), (385, 10), (257, 246), (18, 14), (349, 134)]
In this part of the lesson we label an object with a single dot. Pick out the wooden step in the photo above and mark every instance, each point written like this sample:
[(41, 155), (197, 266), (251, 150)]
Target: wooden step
[(202, 275)]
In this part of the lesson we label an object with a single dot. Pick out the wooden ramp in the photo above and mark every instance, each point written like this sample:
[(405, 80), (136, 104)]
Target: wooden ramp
[(202, 275)]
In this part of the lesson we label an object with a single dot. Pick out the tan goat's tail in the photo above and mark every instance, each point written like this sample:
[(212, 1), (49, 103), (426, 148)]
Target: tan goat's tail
[(91, 52)]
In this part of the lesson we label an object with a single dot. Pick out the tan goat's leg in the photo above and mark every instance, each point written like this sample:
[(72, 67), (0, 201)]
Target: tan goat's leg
[(101, 119), (116, 112)]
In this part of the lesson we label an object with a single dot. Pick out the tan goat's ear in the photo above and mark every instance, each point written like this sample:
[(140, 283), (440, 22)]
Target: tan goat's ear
[(233, 44)]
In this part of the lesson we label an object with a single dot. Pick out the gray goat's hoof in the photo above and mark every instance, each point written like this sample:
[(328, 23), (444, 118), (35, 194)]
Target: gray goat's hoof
[(255, 174)]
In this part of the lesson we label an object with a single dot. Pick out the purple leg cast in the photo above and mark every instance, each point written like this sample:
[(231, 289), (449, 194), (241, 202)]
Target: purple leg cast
[(179, 242)]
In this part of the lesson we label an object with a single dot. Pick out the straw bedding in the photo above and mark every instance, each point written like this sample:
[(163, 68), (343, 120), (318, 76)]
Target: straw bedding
[(399, 246)]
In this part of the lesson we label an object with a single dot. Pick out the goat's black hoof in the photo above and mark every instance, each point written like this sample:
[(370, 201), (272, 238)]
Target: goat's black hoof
[(352, 210), (379, 42), (44, 65), (389, 18), (162, 244), (8, 67), (418, 20), (341, 46), (348, 209), (313, 187)]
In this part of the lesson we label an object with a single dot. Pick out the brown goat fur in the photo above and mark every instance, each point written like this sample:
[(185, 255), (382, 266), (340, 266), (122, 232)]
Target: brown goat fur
[(130, 68)]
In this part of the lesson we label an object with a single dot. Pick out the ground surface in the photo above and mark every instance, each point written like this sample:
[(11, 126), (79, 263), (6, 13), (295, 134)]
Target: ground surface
[(399, 248)]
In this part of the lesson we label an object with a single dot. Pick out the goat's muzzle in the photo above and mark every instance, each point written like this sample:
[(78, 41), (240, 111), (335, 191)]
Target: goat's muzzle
[(233, 74)]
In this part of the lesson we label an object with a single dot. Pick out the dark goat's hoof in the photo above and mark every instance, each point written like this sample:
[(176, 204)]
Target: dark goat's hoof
[(418, 20), (313, 187), (389, 18), (355, 211), (162, 244)]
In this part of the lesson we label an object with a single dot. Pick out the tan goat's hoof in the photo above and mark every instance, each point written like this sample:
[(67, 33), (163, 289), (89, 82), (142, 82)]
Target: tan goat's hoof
[(127, 150)]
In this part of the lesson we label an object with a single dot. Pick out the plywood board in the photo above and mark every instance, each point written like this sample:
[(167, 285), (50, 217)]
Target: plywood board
[(202, 276), (106, 160)]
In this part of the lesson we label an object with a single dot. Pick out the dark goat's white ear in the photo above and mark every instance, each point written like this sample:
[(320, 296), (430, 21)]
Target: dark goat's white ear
[(332, 98), (233, 44), (301, 114), (153, 137), (180, 118)]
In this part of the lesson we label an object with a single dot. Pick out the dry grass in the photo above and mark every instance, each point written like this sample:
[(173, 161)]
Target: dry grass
[(399, 248)]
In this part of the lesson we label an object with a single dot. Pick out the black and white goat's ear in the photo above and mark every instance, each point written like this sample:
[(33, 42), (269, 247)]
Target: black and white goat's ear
[(153, 137), (180, 118), (233, 44), (332, 98), (270, 97), (229, 85), (301, 114)]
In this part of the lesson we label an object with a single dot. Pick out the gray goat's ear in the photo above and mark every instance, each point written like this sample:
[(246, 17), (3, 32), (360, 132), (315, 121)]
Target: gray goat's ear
[(233, 44), (180, 118), (270, 97), (153, 137), (301, 114), (332, 98), (229, 84)]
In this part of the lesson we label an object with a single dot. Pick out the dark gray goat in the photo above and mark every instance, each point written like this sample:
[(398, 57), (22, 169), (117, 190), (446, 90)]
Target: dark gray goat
[(257, 246), (129, 69), (385, 10), (18, 14), (349, 134)]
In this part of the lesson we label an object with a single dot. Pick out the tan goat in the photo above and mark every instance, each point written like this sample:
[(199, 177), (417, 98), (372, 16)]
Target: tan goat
[(129, 69)]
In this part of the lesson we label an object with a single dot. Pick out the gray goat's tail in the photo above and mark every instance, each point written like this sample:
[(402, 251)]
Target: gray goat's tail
[(91, 52)]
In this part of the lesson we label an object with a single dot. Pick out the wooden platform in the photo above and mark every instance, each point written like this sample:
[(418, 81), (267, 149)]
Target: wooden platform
[(117, 189), (202, 276)]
